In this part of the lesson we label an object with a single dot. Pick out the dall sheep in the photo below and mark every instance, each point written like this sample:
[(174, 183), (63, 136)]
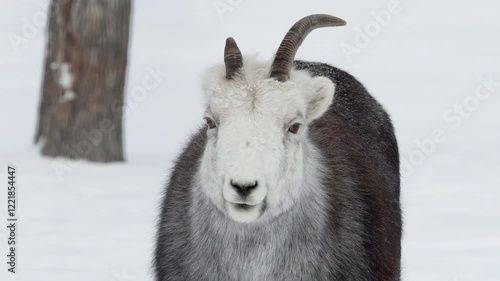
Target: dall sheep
[(294, 177)]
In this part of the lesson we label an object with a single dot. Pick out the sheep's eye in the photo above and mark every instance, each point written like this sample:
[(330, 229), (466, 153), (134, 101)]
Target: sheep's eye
[(294, 128), (210, 122)]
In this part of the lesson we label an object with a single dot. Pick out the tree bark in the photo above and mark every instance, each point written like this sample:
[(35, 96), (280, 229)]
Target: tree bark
[(80, 113)]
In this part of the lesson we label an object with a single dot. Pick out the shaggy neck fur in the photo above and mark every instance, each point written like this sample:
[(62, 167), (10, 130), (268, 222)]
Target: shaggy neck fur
[(268, 249)]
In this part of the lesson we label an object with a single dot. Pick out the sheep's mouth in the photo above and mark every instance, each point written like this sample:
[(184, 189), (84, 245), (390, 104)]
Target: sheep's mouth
[(244, 212), (247, 205), (242, 206)]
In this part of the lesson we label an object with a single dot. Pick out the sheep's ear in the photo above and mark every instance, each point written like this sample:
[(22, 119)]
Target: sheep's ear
[(320, 99)]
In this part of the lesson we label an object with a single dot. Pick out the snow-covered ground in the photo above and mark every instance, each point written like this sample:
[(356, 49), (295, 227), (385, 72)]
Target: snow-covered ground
[(431, 58)]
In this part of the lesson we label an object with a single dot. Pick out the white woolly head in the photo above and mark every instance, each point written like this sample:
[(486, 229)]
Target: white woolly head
[(253, 163)]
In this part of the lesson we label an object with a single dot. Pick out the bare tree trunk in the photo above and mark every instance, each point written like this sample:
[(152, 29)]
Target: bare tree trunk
[(80, 114)]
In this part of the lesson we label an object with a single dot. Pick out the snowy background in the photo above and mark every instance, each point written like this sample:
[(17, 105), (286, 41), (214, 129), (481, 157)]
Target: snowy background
[(428, 65)]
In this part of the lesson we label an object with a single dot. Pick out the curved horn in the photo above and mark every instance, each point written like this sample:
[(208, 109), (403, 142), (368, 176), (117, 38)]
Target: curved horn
[(285, 55), (232, 58)]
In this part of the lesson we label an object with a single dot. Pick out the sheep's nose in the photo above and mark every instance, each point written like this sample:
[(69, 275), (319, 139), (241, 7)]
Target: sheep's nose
[(243, 189)]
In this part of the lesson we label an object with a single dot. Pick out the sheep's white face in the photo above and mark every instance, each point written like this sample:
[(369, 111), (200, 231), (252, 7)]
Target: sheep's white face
[(252, 165)]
